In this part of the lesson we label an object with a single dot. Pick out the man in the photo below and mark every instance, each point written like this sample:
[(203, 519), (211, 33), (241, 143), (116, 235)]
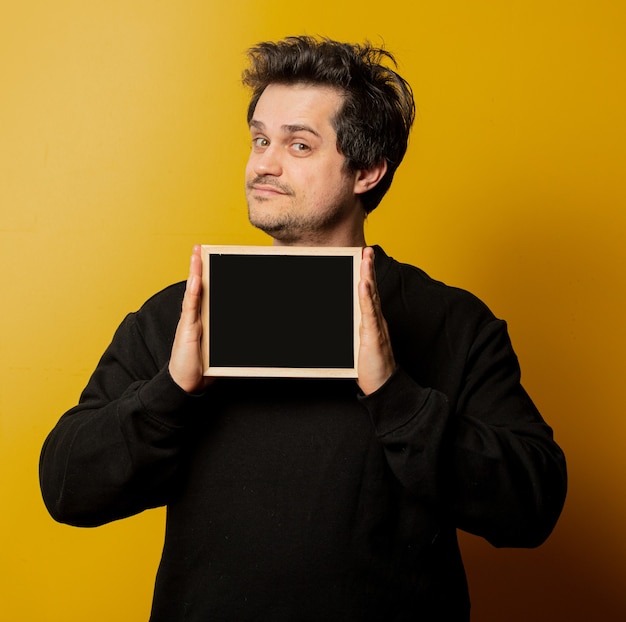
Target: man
[(315, 499)]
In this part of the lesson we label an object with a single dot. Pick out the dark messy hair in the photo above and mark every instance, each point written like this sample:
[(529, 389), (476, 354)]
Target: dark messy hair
[(375, 120)]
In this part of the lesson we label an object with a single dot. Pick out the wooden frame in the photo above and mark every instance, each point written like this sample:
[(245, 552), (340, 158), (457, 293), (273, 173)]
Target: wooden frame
[(280, 311)]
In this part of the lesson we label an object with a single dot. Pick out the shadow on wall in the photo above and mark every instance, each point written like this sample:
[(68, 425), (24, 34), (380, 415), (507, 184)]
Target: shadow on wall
[(561, 274)]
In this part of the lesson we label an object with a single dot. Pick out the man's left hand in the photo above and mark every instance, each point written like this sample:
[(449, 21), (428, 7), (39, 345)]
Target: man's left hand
[(376, 362)]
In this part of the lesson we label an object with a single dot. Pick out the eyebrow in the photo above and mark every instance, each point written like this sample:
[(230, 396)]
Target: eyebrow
[(287, 129)]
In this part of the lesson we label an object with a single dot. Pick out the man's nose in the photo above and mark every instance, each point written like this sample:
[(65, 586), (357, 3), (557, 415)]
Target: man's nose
[(268, 162)]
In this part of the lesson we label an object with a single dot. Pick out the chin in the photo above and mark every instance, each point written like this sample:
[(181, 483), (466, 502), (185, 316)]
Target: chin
[(261, 217), (279, 231), (264, 224), (276, 231)]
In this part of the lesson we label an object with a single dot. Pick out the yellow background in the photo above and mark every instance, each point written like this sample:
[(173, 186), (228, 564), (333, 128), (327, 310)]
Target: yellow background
[(123, 142)]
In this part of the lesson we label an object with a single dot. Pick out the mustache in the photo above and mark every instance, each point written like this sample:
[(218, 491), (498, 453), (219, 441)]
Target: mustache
[(267, 180)]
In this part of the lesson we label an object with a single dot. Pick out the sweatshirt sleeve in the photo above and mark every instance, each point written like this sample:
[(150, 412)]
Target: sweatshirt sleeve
[(483, 457), (116, 453)]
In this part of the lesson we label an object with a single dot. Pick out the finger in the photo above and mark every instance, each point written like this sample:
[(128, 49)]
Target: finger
[(368, 291), (193, 290), (369, 316), (367, 265), (195, 269), (196, 260)]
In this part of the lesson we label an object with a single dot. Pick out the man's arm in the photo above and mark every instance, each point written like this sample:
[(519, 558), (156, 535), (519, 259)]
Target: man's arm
[(488, 462), (117, 452)]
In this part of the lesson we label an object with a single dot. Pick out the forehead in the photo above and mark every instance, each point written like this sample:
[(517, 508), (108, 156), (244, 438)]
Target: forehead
[(294, 104)]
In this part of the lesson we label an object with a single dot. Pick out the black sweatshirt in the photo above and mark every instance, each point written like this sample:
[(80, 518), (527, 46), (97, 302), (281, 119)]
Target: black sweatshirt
[(302, 499)]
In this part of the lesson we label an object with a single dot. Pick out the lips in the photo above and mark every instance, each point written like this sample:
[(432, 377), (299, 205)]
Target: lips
[(266, 190), (263, 187)]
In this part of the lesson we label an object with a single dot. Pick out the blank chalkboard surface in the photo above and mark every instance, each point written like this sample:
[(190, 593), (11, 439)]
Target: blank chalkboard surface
[(280, 311)]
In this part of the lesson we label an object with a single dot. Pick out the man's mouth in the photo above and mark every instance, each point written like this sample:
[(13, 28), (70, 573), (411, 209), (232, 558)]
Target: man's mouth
[(262, 187)]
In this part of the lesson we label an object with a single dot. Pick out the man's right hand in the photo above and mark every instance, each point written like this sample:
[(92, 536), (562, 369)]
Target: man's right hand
[(185, 365)]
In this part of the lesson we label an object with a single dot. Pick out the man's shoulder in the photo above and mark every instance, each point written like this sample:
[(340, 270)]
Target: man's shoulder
[(162, 308), (413, 282), (170, 295)]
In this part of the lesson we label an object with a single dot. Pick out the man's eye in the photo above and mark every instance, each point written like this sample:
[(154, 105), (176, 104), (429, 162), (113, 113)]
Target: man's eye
[(300, 147), (260, 142)]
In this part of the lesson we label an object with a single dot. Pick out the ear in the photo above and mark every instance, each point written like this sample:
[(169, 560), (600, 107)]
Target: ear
[(367, 178)]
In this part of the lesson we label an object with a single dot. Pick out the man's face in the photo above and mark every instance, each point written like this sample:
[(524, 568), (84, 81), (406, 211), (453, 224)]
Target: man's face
[(297, 186)]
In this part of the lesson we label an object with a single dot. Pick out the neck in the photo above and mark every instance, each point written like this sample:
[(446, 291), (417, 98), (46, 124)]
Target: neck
[(313, 240)]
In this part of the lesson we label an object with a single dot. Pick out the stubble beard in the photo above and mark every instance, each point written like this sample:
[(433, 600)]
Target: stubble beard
[(290, 227)]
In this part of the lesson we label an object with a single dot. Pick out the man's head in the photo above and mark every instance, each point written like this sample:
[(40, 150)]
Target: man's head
[(375, 118)]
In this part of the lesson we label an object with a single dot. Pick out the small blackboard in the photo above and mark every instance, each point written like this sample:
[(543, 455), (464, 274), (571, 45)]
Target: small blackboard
[(280, 311)]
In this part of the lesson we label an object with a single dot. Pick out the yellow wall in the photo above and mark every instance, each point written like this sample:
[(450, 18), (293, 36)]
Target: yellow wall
[(123, 141)]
